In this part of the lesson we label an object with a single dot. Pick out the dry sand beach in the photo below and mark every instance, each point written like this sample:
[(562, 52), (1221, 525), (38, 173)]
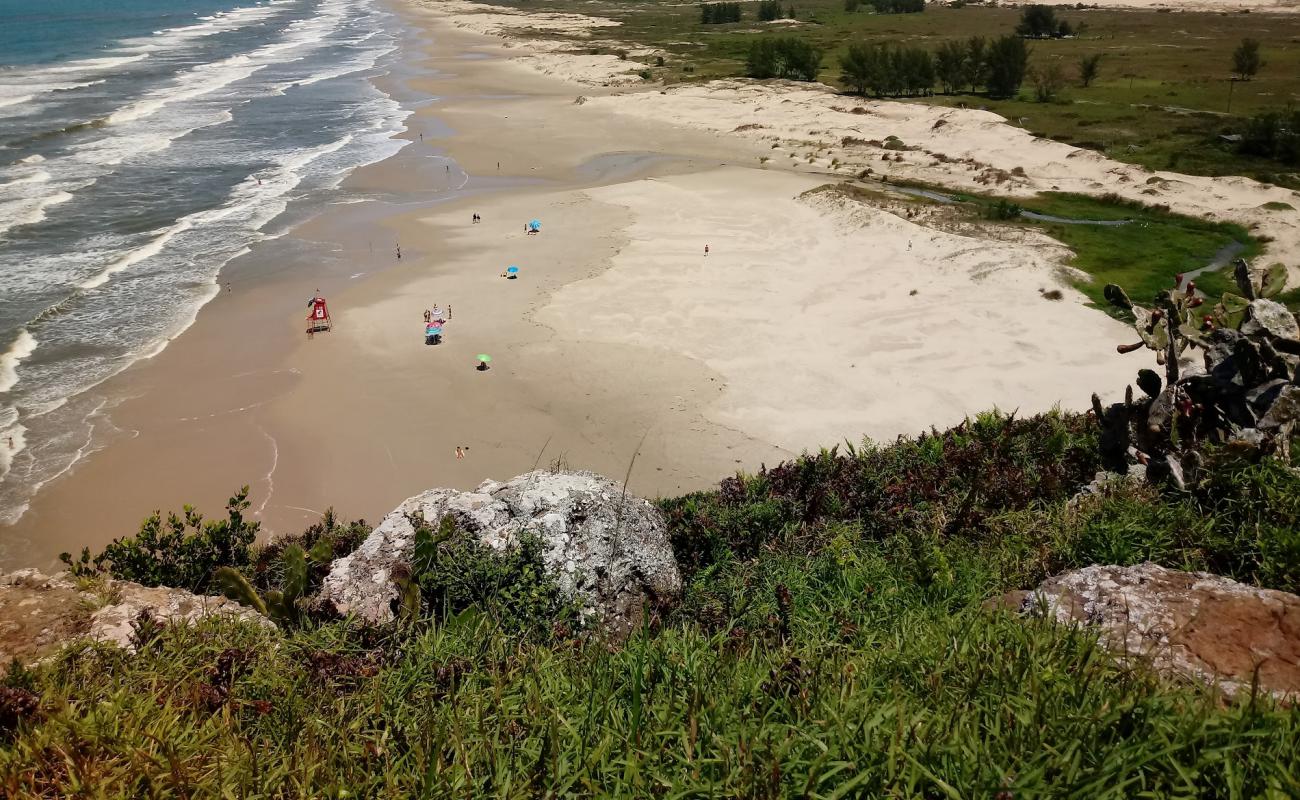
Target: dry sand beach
[(814, 319)]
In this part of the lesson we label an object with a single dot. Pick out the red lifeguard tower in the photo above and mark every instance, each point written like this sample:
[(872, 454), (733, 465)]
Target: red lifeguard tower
[(318, 316)]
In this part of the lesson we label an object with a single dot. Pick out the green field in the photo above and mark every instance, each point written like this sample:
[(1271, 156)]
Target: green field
[(1162, 99)]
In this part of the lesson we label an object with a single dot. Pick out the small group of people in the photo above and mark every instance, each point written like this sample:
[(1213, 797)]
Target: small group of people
[(477, 218), (435, 314), (434, 319)]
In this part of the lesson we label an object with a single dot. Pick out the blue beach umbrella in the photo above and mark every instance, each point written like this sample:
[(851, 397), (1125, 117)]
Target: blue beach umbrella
[(535, 225), (512, 269)]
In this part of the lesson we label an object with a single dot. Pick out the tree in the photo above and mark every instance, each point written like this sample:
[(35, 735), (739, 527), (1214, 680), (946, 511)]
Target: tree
[(950, 65), (976, 64), (783, 57), (1037, 22), (1048, 81), (769, 10), (860, 68), (1089, 67), (1008, 59), (1041, 22), (1246, 60)]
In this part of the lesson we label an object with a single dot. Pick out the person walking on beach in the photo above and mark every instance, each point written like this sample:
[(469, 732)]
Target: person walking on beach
[(449, 312), (399, 251), (428, 316), (706, 249), (460, 454)]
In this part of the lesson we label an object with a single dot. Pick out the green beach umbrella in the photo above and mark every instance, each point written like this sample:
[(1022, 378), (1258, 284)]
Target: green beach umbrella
[(484, 357)]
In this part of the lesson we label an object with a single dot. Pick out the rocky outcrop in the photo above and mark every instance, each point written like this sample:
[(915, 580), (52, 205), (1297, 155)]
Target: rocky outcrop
[(39, 614), (607, 550), (1193, 625)]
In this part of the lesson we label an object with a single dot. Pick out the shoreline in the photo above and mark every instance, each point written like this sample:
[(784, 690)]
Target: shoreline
[(621, 349)]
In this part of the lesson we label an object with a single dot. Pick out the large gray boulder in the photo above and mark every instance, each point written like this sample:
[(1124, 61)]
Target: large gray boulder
[(40, 614), (1191, 625), (605, 549)]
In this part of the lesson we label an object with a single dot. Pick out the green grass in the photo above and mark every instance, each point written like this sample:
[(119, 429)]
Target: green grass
[(1162, 99), (830, 645), (1144, 255)]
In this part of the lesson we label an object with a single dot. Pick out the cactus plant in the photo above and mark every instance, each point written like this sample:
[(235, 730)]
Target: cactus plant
[(1247, 394), (286, 604)]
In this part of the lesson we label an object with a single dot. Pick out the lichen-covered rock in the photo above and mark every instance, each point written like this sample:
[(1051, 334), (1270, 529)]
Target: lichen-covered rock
[(1193, 625), (1271, 316), (39, 613), (608, 550)]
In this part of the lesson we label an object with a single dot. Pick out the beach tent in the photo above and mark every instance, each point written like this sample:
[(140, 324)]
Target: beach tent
[(318, 315)]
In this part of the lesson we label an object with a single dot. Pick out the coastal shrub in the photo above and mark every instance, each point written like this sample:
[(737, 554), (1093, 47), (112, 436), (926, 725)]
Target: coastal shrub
[(182, 552), (1002, 210), (1089, 68), (957, 478), (1049, 80), (719, 13), (785, 57), (323, 542), (452, 572)]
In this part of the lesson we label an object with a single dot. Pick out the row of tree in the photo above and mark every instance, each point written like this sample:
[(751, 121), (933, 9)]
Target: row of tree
[(887, 6), (719, 13), (1000, 66), (785, 57)]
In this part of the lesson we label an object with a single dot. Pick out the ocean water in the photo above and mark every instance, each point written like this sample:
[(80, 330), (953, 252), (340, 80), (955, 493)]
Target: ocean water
[(144, 144)]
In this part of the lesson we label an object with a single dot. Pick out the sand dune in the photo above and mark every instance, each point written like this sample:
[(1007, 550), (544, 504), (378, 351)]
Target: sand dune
[(961, 148), (829, 319)]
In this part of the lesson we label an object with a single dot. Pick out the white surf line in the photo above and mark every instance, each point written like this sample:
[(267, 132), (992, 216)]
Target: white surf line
[(270, 482), (227, 412), (23, 346), (308, 510)]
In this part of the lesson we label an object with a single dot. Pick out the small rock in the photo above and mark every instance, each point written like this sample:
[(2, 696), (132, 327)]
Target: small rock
[(1191, 625), (1271, 316), (39, 613)]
